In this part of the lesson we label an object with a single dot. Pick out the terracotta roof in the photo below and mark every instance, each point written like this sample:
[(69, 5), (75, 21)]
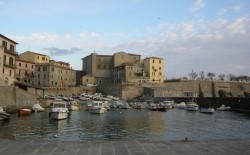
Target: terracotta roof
[(8, 39)]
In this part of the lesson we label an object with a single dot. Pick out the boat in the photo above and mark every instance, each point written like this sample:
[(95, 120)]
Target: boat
[(59, 110), (223, 108), (24, 112), (181, 105), (37, 108), (73, 106), (3, 114), (207, 110), (157, 107), (97, 107), (123, 105), (192, 106)]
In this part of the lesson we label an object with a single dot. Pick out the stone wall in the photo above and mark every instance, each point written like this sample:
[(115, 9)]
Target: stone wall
[(14, 98)]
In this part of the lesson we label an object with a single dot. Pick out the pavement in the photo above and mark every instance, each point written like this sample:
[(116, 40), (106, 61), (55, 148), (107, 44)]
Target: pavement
[(55, 147)]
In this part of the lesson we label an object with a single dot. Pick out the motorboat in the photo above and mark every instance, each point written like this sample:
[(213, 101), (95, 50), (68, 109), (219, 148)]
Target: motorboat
[(123, 105), (59, 110), (157, 107), (37, 108), (24, 112), (3, 114), (207, 110), (73, 106), (181, 105), (192, 106), (169, 104), (97, 107), (223, 108)]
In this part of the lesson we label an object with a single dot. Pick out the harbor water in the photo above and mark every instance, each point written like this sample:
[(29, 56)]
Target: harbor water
[(130, 124)]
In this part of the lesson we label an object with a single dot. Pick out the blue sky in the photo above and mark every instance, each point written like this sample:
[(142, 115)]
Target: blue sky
[(203, 35)]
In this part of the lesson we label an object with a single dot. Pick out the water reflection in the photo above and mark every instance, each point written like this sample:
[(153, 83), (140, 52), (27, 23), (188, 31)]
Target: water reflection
[(129, 124)]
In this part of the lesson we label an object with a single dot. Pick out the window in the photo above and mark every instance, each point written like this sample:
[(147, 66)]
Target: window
[(98, 66), (159, 68), (43, 58), (160, 61), (32, 66), (26, 65), (44, 75), (38, 69), (12, 48), (44, 68), (37, 57), (39, 83), (153, 67), (20, 64), (153, 61), (10, 72), (38, 76), (4, 44), (51, 83)]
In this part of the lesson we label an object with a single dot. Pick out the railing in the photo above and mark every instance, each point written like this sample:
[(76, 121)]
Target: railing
[(10, 52), (8, 64)]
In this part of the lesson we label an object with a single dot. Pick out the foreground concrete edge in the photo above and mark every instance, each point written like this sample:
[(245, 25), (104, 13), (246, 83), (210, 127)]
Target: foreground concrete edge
[(29, 147)]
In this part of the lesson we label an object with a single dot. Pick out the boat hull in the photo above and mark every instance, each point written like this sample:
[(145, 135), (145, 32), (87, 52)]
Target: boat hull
[(4, 116), (207, 110), (24, 112), (98, 111), (58, 115)]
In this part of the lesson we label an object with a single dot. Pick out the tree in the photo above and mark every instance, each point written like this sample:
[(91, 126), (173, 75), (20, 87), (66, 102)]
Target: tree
[(210, 75), (231, 77), (221, 77), (193, 75), (202, 75)]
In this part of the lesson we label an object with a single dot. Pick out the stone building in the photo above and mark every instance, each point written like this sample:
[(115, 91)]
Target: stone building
[(25, 71), (34, 57), (154, 67), (7, 60), (121, 67), (54, 74)]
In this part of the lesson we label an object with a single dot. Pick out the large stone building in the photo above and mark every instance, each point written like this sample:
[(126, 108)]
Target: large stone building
[(121, 67), (7, 60), (54, 74)]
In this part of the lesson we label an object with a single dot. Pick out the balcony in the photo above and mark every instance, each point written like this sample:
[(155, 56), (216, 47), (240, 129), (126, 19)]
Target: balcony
[(8, 65), (10, 51)]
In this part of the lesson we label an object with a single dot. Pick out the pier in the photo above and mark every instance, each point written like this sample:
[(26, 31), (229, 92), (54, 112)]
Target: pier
[(28, 147)]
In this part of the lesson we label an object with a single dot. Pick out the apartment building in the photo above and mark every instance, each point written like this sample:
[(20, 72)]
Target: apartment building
[(154, 67), (7, 60), (34, 57), (122, 67), (25, 71), (54, 74)]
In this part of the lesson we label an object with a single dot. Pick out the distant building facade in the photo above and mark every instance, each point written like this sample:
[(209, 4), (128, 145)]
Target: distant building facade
[(7, 60), (121, 67), (54, 74), (25, 71)]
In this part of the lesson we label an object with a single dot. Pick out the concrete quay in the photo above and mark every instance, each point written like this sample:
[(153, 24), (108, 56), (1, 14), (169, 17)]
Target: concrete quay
[(54, 147)]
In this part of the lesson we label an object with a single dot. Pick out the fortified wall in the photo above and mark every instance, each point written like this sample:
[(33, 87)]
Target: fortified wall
[(202, 88)]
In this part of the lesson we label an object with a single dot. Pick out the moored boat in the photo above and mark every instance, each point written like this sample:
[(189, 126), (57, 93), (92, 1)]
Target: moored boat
[(59, 110), (207, 110), (223, 108), (37, 108), (24, 112), (192, 106), (73, 106), (97, 107), (3, 114)]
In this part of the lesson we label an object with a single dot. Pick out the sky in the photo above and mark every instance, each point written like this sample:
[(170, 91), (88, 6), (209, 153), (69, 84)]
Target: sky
[(199, 35)]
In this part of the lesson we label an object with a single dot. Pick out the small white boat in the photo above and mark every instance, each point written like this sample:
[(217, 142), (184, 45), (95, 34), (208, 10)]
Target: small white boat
[(181, 105), (59, 110), (192, 106), (207, 110), (73, 106), (97, 107), (223, 108), (123, 105), (37, 108), (3, 114)]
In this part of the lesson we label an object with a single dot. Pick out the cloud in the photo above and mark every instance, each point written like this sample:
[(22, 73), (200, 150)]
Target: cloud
[(197, 5), (59, 52)]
